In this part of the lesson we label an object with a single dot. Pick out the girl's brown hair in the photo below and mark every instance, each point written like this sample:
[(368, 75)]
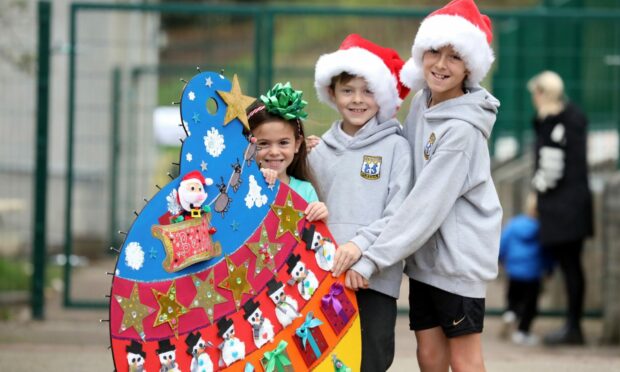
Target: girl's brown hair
[(299, 168)]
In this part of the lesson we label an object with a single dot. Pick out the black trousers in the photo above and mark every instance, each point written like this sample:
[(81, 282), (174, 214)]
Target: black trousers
[(378, 320), (568, 257), (523, 301)]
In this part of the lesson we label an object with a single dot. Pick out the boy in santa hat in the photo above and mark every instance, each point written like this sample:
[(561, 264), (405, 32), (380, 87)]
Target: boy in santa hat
[(448, 228), (364, 170)]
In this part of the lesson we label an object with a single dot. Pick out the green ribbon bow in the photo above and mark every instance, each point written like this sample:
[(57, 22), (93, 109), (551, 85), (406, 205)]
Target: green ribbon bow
[(284, 101), (277, 358)]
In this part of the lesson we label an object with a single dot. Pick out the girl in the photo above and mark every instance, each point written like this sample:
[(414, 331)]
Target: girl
[(275, 122)]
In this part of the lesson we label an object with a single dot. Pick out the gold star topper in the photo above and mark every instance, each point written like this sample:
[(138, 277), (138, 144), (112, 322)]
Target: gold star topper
[(134, 311), (206, 295), (265, 251), (289, 217), (237, 281), (237, 104), (170, 310)]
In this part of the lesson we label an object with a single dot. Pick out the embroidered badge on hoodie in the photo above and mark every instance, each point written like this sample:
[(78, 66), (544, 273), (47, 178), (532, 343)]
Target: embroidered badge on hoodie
[(371, 167), (428, 148)]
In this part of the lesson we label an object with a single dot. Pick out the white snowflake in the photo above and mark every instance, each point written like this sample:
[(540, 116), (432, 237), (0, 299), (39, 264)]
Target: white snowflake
[(173, 203), (187, 128), (254, 197), (189, 156), (191, 96), (134, 256), (214, 142)]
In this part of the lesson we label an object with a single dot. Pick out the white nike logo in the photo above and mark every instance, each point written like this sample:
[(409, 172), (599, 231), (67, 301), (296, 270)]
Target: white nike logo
[(457, 322)]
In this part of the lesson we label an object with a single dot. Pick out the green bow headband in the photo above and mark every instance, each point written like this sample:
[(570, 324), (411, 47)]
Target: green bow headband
[(284, 101)]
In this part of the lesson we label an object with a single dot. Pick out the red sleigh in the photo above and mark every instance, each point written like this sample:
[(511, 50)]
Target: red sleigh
[(187, 242)]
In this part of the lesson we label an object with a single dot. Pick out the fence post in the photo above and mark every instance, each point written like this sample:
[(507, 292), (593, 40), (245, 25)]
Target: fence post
[(37, 299)]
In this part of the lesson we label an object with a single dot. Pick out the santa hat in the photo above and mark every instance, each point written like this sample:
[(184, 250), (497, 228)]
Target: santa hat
[(196, 176), (461, 25), (379, 66)]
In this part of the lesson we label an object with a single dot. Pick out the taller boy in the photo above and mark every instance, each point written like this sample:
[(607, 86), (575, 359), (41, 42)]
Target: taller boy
[(451, 220), (364, 170)]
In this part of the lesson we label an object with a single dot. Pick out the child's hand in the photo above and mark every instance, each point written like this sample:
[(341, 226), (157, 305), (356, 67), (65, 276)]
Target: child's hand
[(316, 211), (270, 175), (346, 255), (355, 281), (312, 141)]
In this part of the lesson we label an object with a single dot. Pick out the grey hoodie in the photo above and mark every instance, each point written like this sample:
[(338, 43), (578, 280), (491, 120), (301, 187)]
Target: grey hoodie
[(362, 196), (450, 223)]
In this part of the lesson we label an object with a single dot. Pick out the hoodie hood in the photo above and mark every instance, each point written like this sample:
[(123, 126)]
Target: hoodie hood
[(478, 108), (372, 132)]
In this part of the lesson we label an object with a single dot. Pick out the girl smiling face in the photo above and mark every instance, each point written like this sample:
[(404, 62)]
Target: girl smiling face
[(444, 72), (277, 146)]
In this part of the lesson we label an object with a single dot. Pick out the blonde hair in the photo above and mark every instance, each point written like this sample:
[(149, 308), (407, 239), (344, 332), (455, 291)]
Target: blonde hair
[(548, 89)]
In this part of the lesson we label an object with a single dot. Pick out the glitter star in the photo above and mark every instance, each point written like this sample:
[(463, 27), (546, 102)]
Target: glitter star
[(265, 251), (169, 309), (289, 217), (236, 281), (208, 82), (237, 104), (203, 165), (134, 311), (206, 296), (196, 117), (153, 253)]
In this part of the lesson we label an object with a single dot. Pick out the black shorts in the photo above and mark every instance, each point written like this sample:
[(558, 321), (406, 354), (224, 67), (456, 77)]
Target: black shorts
[(430, 307)]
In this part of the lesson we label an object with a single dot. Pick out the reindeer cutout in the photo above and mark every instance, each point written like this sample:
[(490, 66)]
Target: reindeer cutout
[(251, 150), (222, 202), (235, 180)]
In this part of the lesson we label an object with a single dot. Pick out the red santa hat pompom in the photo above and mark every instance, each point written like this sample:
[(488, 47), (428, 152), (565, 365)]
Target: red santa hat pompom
[(379, 66), (196, 176), (461, 25)]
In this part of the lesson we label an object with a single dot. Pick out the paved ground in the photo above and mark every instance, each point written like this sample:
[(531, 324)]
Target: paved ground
[(75, 340)]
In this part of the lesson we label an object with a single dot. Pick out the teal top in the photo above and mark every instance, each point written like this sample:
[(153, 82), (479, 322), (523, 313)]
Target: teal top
[(304, 189)]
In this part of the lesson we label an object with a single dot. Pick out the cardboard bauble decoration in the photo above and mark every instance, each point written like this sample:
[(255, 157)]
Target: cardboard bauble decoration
[(205, 267)]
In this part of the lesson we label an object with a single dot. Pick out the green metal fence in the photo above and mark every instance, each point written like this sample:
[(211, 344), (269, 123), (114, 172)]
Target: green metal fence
[(113, 88)]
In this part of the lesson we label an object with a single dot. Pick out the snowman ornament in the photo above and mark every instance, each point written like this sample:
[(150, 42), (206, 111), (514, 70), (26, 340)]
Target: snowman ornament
[(232, 348), (135, 356), (196, 347), (262, 329), (324, 249), (167, 357), (307, 282), (286, 306)]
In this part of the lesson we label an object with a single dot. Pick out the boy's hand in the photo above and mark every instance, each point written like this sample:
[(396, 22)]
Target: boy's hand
[(312, 141), (355, 281), (270, 175), (316, 211), (346, 255)]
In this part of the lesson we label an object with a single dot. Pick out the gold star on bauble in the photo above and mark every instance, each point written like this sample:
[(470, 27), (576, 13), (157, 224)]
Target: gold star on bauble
[(206, 295), (289, 217), (170, 310), (237, 281), (134, 311), (265, 251), (237, 104)]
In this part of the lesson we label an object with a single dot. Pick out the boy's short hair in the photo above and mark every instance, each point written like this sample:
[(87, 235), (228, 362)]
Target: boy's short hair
[(461, 25), (549, 84), (359, 57), (342, 78)]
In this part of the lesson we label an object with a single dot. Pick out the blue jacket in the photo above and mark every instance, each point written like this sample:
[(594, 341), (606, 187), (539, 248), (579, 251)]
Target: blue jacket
[(520, 249)]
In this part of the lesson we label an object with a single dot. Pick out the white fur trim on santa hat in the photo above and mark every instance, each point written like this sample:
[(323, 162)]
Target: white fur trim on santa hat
[(440, 30), (359, 62)]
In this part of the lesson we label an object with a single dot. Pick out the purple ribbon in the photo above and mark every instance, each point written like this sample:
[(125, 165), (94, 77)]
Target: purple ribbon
[(331, 299)]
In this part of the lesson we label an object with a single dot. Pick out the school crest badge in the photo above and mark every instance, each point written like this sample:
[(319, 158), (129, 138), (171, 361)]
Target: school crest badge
[(371, 167), (428, 148)]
